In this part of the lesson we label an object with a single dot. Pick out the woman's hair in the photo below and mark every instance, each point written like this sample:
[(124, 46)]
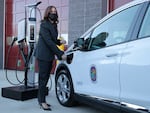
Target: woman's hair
[(47, 11)]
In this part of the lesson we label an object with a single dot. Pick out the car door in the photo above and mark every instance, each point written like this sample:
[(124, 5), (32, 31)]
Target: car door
[(97, 67), (135, 68)]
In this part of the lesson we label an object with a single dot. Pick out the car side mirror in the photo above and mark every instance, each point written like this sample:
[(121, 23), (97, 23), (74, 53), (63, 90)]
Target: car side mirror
[(79, 43)]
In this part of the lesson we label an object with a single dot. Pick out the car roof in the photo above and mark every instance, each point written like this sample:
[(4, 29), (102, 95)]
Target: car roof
[(130, 4)]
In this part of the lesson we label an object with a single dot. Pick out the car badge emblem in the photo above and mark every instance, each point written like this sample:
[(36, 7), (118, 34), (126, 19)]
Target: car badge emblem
[(93, 73)]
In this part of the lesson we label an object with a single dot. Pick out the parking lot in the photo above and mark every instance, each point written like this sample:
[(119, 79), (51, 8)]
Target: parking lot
[(31, 106)]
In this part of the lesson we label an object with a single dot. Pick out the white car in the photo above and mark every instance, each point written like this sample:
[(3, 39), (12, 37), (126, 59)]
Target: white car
[(109, 65)]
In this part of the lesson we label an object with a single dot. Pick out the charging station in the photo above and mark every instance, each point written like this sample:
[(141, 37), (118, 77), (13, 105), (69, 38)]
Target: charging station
[(27, 26)]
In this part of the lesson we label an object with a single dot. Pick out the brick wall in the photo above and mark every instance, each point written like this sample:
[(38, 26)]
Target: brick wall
[(83, 14), (119, 3)]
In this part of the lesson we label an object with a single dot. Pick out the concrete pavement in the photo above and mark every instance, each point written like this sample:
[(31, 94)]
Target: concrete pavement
[(31, 106)]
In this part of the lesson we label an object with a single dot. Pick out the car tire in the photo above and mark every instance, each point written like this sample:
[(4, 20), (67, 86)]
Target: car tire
[(64, 88)]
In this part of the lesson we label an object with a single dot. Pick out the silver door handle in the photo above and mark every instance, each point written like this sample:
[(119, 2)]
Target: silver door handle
[(112, 55)]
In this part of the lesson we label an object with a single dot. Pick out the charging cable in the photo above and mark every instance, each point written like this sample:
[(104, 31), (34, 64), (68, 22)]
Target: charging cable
[(7, 58)]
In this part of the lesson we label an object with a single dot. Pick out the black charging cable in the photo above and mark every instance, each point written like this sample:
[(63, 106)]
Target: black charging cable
[(7, 59), (16, 68)]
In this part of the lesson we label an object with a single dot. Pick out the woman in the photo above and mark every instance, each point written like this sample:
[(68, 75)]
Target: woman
[(46, 51)]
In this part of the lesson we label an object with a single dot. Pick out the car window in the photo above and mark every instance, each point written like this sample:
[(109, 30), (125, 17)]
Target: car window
[(113, 30), (145, 28)]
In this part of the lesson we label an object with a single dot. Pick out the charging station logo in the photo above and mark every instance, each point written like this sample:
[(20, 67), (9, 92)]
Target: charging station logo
[(93, 73)]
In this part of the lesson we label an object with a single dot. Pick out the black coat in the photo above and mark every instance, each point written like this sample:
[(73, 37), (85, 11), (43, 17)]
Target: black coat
[(46, 48)]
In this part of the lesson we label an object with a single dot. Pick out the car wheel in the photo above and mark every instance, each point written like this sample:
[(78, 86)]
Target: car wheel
[(64, 89)]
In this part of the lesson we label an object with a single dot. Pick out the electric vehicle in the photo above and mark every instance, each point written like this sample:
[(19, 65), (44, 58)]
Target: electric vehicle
[(109, 65)]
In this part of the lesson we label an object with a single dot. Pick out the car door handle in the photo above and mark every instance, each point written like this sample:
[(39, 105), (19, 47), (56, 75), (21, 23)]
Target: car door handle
[(112, 55)]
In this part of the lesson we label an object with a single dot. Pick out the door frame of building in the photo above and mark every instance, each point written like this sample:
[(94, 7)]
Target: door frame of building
[(110, 5), (2, 34)]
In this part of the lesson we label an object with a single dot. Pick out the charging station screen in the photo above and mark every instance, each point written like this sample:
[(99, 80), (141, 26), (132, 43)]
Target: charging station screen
[(32, 32)]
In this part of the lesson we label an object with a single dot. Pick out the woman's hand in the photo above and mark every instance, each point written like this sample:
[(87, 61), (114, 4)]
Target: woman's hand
[(63, 41), (64, 57)]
